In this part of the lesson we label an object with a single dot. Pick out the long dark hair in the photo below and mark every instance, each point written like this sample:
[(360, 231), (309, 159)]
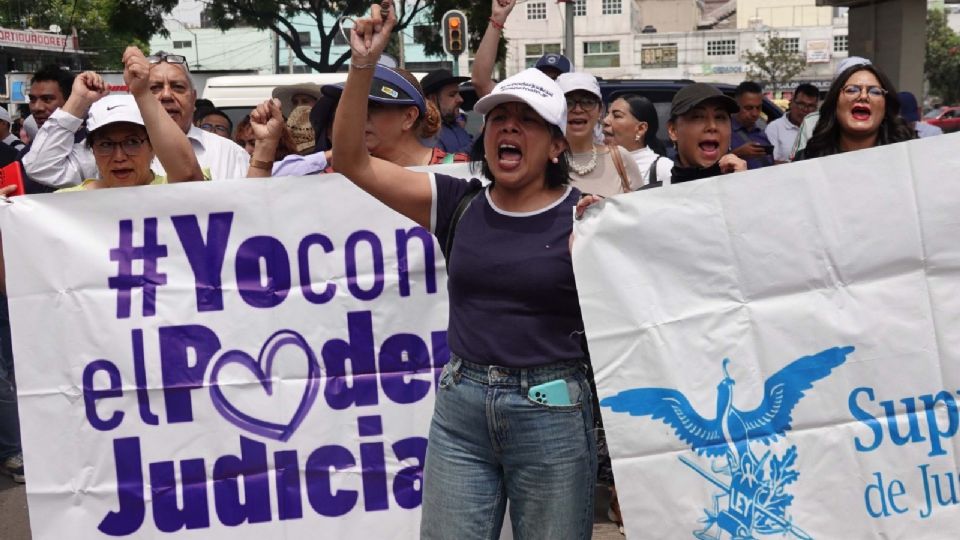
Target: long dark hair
[(644, 111), (826, 135), (558, 174)]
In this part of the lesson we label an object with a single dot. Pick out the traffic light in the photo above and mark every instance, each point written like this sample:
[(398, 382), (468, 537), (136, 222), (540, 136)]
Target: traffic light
[(454, 32)]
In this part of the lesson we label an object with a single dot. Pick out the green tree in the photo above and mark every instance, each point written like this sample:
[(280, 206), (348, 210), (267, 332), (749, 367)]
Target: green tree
[(942, 64), (774, 65), (324, 15), (104, 27)]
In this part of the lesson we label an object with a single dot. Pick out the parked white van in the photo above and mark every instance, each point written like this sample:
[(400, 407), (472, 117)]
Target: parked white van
[(237, 94)]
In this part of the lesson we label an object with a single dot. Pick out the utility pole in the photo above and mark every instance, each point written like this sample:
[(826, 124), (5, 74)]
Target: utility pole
[(402, 60), (276, 52)]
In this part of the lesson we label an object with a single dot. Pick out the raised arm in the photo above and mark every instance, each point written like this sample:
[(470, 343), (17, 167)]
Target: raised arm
[(403, 190), (54, 159), (482, 73), (169, 143), (266, 121)]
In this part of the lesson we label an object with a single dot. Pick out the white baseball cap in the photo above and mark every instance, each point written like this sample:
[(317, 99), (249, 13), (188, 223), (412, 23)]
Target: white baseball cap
[(849, 62), (112, 109), (532, 87), (578, 80), (4, 114)]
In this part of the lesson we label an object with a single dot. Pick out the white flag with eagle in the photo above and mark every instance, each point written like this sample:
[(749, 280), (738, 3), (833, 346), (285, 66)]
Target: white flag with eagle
[(776, 351)]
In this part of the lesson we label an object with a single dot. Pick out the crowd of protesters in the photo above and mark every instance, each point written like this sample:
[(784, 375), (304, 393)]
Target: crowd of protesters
[(549, 144)]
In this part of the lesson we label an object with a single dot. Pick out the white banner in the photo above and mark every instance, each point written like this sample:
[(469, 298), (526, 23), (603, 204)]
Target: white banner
[(231, 359), (777, 351)]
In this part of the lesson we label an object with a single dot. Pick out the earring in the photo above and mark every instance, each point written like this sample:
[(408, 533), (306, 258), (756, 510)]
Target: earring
[(555, 159), (636, 137)]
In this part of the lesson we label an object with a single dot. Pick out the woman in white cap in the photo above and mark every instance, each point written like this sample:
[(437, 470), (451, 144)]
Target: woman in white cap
[(126, 132), (512, 419), (595, 168)]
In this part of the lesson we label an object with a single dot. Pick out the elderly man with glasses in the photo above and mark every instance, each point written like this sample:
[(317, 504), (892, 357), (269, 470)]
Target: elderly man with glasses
[(783, 131), (57, 161)]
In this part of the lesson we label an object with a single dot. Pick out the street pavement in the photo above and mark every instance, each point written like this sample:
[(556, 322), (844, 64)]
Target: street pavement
[(15, 525)]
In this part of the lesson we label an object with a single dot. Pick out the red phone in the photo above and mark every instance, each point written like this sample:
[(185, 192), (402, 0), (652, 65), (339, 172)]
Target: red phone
[(12, 175)]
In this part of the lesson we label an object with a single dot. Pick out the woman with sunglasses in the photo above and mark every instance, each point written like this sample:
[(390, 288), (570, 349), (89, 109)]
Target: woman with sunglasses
[(595, 168), (632, 123), (127, 131), (515, 324), (861, 110)]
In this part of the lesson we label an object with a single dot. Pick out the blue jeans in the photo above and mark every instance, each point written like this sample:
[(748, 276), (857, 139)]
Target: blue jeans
[(9, 419), (489, 442)]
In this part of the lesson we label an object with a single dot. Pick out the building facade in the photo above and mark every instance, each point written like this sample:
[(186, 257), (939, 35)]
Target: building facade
[(783, 13), (718, 55), (241, 50), (604, 31), (638, 39)]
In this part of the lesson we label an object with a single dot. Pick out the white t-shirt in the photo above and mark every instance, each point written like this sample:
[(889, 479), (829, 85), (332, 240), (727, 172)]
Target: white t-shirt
[(13, 142), (645, 158), (927, 130), (805, 132), (782, 134)]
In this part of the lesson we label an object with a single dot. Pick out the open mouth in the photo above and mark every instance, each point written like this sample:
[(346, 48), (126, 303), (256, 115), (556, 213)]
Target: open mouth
[(860, 112), (577, 122), (509, 156), (122, 174), (709, 147)]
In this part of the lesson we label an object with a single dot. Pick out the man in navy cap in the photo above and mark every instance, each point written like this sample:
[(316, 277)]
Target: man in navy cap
[(553, 65), (441, 87), (910, 112)]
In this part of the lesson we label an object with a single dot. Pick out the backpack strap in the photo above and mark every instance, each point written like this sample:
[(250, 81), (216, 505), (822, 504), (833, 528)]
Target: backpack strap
[(651, 185), (652, 175), (462, 206), (621, 168)]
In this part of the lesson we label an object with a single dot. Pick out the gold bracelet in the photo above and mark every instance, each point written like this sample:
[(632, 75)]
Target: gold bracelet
[(260, 164)]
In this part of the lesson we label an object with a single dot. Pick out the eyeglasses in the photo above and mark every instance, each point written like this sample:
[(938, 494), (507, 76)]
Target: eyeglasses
[(856, 90), (169, 58), (130, 147), (804, 106), (586, 103), (214, 128)]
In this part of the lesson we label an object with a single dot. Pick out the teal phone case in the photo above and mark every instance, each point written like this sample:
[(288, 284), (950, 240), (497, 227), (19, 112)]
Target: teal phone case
[(551, 393)]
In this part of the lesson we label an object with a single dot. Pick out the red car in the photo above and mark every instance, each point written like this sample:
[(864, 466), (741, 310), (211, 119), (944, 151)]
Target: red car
[(945, 118)]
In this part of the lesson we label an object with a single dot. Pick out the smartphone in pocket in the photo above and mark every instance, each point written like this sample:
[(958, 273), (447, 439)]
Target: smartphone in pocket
[(551, 393)]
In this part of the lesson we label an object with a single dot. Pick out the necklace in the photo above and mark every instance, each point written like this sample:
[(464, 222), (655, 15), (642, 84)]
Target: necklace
[(583, 170)]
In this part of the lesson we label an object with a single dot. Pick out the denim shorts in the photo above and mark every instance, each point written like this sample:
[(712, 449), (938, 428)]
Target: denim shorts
[(490, 442)]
